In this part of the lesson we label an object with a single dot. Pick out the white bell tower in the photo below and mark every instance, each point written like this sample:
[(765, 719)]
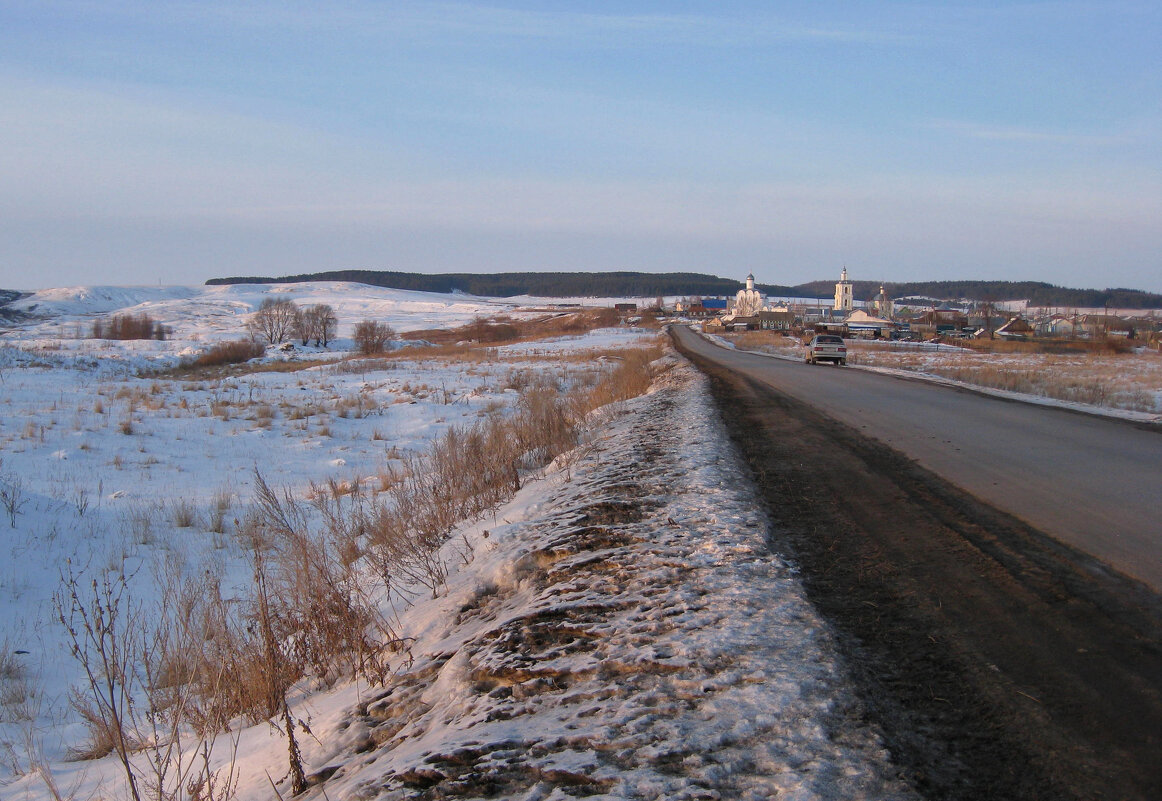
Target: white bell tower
[(844, 300)]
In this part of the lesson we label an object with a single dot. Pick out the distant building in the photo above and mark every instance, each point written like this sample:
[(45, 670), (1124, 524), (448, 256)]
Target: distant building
[(777, 320), (985, 318), (733, 322), (1057, 325), (942, 321), (748, 302), (882, 305), (1099, 326), (860, 322), (1016, 328), (690, 307), (844, 299)]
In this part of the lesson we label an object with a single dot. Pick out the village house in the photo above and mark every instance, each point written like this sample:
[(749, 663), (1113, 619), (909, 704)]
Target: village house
[(1059, 326), (862, 324), (943, 321), (1016, 328), (1100, 326), (778, 320), (691, 307), (986, 319)]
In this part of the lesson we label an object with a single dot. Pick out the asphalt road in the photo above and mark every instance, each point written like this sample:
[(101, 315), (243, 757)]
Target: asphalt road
[(1090, 482)]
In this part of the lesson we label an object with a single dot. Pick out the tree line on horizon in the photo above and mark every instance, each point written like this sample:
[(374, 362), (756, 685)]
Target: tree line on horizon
[(638, 284)]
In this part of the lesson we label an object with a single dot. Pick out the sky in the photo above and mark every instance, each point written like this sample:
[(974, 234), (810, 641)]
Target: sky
[(171, 142)]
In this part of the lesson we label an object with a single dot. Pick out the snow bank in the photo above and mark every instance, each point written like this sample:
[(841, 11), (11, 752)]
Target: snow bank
[(622, 631)]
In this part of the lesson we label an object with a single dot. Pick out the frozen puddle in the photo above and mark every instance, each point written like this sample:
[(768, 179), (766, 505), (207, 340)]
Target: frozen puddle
[(632, 638)]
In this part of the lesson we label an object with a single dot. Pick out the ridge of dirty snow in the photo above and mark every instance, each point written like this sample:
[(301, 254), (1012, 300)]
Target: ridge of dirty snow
[(631, 637)]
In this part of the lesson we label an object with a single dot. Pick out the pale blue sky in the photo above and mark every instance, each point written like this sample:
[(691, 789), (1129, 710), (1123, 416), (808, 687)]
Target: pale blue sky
[(147, 142)]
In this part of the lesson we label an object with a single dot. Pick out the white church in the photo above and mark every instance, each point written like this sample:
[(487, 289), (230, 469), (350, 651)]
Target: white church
[(874, 319), (844, 299), (748, 302), (875, 315)]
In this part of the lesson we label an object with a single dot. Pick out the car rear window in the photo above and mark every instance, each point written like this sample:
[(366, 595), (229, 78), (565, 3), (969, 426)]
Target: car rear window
[(829, 340)]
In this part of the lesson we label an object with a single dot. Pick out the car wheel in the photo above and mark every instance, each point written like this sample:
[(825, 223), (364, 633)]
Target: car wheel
[(843, 362)]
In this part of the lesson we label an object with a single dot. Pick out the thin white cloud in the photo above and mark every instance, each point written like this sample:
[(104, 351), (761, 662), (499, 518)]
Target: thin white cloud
[(479, 22), (1014, 133), (632, 29)]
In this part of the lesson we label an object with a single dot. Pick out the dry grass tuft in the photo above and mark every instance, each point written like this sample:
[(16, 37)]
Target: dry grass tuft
[(184, 514), (233, 352), (503, 329), (1130, 381)]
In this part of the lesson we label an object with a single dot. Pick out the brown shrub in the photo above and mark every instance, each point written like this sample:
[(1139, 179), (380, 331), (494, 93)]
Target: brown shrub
[(371, 337), (630, 378), (471, 470), (234, 351), (129, 326)]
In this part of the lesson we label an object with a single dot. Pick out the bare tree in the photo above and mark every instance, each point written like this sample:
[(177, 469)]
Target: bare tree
[(275, 320), (103, 627), (151, 696), (305, 326), (317, 322), (371, 337), (12, 497)]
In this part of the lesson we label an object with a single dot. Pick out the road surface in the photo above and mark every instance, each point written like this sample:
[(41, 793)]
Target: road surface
[(997, 660), (1091, 482)]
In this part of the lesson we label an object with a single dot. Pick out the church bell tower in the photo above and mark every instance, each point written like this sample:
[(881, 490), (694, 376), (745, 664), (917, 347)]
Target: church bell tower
[(844, 300)]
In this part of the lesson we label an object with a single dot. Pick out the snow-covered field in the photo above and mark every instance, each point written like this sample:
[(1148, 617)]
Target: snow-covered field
[(200, 316), (617, 628)]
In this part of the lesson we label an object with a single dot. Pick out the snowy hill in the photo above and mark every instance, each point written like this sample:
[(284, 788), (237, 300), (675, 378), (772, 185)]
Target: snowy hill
[(193, 309), (59, 320)]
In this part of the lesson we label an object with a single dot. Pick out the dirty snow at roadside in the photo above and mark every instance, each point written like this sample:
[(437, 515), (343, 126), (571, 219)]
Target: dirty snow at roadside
[(622, 631)]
